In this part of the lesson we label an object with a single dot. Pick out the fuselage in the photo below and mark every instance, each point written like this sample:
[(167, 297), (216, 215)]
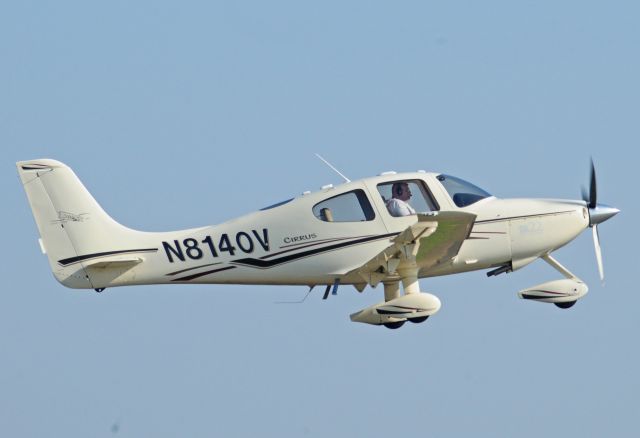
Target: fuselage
[(317, 238)]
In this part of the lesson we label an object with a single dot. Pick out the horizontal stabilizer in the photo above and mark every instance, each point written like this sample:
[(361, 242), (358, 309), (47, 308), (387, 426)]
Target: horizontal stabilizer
[(113, 262)]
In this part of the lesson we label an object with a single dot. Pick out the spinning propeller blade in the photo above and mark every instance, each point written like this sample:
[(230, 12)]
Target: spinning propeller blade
[(597, 214), (596, 244), (591, 198)]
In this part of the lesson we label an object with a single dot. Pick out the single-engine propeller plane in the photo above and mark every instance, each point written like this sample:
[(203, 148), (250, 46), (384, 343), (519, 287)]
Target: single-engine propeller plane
[(394, 229)]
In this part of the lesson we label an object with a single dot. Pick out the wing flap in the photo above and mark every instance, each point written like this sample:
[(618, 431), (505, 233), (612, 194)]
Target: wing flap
[(441, 246)]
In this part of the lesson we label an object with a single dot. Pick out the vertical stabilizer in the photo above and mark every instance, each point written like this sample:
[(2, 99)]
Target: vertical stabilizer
[(70, 221)]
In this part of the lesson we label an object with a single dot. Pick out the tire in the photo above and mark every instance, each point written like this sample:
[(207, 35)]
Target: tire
[(565, 305), (419, 319), (394, 325)]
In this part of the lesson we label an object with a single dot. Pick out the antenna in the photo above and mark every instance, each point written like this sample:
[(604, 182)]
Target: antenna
[(299, 301), (333, 168)]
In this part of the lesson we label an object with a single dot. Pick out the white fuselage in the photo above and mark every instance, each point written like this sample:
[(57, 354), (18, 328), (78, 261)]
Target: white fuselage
[(289, 244)]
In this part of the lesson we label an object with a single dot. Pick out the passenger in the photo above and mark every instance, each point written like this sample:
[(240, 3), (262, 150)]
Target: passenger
[(398, 205)]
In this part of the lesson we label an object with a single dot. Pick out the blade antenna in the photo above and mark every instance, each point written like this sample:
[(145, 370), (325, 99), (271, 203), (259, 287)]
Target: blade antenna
[(299, 301), (334, 169)]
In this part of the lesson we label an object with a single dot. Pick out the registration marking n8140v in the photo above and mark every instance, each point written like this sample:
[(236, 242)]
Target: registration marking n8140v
[(195, 249)]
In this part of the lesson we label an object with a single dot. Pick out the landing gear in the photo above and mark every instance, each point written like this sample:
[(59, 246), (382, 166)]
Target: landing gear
[(419, 319), (100, 289), (394, 325), (565, 305), (397, 267), (563, 293)]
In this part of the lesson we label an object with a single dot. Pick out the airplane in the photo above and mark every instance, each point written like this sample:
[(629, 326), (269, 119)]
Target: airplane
[(391, 229)]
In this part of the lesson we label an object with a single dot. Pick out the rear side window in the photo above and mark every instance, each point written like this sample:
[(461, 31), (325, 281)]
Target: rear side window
[(352, 206)]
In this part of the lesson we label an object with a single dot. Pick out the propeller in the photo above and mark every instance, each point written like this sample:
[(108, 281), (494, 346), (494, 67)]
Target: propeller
[(596, 244), (591, 198), (598, 213)]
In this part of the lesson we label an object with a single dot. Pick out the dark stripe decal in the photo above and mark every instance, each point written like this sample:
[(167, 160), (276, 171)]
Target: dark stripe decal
[(540, 297), (35, 167), (191, 269), (402, 311), (333, 239), (391, 312), (202, 274), (548, 292), (522, 217), (409, 308), (72, 260), (307, 246), (261, 263)]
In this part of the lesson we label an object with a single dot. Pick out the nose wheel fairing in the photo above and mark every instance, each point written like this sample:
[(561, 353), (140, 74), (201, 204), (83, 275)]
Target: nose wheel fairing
[(563, 293)]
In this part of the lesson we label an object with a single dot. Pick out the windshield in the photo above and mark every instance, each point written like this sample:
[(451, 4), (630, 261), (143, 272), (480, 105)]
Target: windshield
[(462, 192)]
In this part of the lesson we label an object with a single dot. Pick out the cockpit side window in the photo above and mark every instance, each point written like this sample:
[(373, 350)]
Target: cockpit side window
[(352, 206), (462, 192), (406, 197)]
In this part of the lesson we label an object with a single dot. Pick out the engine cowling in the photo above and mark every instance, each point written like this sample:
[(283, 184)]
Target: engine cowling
[(406, 307), (557, 291)]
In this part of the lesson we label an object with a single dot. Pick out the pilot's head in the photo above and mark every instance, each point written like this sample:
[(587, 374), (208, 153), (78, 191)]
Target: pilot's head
[(400, 190)]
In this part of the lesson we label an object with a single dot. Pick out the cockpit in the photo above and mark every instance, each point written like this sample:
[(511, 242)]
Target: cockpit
[(462, 192)]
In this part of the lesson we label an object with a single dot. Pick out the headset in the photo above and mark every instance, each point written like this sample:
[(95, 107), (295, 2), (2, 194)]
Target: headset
[(397, 188)]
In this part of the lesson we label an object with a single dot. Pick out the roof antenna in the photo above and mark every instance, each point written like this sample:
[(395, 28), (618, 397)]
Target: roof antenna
[(334, 169)]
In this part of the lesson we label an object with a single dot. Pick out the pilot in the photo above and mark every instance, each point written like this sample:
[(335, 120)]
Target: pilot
[(398, 205)]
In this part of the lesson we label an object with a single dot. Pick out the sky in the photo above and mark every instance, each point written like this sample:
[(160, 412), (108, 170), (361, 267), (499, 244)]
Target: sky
[(184, 114)]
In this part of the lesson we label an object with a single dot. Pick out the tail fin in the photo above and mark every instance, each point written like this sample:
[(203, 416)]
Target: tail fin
[(72, 225)]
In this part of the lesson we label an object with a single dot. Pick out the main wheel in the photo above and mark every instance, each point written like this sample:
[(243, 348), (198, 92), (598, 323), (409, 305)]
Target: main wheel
[(394, 325), (419, 319), (565, 305)]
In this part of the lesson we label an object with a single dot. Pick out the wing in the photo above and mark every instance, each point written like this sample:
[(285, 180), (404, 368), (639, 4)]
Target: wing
[(433, 240)]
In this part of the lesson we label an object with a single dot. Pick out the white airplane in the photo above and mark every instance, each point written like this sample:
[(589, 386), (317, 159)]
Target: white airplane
[(392, 229)]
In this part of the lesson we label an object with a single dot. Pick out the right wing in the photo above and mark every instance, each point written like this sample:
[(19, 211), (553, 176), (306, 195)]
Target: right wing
[(433, 240)]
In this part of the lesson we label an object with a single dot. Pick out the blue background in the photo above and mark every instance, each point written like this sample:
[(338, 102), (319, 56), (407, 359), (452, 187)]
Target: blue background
[(186, 114)]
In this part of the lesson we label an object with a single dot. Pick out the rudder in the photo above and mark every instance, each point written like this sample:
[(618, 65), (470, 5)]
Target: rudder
[(70, 221)]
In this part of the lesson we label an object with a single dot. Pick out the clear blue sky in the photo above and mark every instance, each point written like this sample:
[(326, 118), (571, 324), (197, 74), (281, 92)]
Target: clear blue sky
[(190, 113)]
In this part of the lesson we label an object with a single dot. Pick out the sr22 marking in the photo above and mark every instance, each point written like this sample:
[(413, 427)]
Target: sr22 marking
[(191, 248)]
